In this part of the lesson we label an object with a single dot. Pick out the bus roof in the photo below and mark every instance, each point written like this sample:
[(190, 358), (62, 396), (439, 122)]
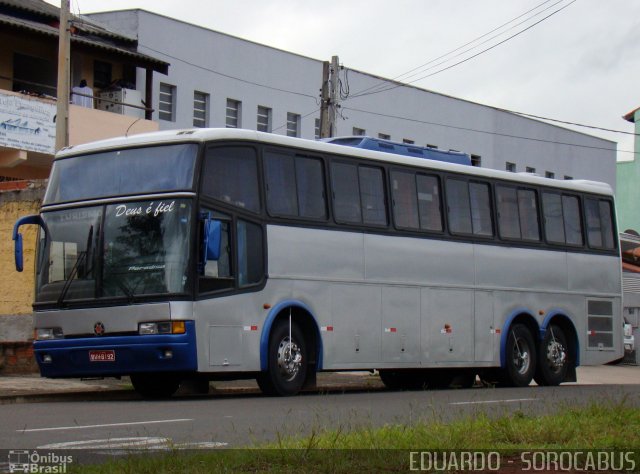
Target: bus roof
[(200, 135)]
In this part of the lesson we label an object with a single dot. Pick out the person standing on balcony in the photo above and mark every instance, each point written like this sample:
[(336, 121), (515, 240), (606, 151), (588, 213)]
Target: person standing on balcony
[(82, 100)]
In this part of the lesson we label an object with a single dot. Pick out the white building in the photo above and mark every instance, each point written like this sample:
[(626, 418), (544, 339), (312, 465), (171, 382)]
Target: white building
[(218, 80)]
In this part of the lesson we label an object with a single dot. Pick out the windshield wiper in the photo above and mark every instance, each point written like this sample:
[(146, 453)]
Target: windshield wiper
[(74, 270), (72, 274)]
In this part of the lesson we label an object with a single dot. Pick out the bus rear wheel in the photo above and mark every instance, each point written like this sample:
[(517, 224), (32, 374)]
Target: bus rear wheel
[(520, 356), (553, 359), (288, 361), (155, 386)]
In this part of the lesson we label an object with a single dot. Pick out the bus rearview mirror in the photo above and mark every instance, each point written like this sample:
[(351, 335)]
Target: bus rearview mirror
[(17, 238)]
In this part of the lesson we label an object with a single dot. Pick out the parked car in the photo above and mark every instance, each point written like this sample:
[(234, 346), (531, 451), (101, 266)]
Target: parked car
[(629, 339)]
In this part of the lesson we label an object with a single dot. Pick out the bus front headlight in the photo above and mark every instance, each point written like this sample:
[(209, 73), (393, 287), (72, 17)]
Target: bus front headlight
[(47, 334), (162, 327)]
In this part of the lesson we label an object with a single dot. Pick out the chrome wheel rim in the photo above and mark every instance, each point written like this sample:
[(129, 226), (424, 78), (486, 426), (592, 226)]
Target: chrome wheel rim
[(289, 359), (556, 356), (521, 356)]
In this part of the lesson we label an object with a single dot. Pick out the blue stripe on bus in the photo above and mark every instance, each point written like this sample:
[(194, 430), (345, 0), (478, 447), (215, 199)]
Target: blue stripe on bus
[(133, 354), (266, 331)]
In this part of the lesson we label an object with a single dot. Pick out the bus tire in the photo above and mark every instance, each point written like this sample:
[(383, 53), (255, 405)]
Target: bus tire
[(155, 386), (287, 365), (520, 355), (553, 357)]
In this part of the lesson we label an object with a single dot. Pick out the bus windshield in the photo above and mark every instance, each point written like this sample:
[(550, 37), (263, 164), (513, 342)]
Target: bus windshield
[(119, 250), (122, 173)]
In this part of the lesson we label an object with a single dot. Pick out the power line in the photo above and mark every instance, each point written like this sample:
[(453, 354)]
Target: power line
[(507, 135), (466, 59), (594, 127), (229, 76), (396, 78)]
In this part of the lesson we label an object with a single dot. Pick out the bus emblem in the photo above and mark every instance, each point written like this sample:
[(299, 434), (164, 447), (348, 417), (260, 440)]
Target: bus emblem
[(98, 329)]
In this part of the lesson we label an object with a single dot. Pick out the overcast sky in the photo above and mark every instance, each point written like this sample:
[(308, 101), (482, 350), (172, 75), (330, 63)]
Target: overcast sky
[(581, 64)]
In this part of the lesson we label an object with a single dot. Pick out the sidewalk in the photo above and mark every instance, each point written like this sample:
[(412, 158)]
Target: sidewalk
[(33, 388)]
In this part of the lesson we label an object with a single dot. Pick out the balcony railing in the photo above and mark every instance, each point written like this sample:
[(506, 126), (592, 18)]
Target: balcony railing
[(28, 130)]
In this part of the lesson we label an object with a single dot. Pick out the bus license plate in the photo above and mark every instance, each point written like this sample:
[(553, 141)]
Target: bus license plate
[(102, 356)]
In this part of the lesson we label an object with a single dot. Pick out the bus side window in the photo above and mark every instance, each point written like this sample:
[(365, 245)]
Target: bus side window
[(572, 220), (517, 213), (429, 202), (405, 206), (508, 218), (346, 193), (372, 197), (231, 175), (459, 211), (480, 209), (218, 274), (528, 208), (553, 221), (599, 223), (250, 253)]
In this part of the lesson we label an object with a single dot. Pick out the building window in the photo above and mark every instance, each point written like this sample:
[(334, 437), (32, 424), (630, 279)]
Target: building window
[(233, 113), (264, 119), (384, 136), (293, 125), (406, 141), (167, 109), (359, 132), (200, 109), (549, 174), (568, 177), (476, 160), (433, 147), (510, 167), (34, 74), (529, 169), (101, 74)]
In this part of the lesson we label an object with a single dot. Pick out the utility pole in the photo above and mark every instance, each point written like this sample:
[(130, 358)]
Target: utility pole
[(329, 98), (334, 95), (325, 131), (62, 114)]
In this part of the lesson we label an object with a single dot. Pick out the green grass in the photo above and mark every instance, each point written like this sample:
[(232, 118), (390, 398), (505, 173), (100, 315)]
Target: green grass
[(596, 427)]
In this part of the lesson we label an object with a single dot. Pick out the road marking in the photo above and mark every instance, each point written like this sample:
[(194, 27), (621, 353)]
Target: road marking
[(513, 400), (146, 443), (82, 427)]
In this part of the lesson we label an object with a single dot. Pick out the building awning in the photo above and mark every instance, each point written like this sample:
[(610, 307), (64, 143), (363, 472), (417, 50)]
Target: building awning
[(631, 116), (91, 41)]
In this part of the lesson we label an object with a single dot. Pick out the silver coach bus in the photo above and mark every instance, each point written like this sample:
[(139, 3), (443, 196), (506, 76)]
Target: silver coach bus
[(218, 254)]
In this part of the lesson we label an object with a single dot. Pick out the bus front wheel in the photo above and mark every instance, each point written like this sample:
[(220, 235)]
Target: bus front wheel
[(288, 361)]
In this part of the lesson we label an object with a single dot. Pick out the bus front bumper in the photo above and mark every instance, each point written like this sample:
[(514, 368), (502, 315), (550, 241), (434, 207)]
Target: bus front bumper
[(117, 355)]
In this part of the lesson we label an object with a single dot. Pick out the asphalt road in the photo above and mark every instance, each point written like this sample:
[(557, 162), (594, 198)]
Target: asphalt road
[(234, 421)]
